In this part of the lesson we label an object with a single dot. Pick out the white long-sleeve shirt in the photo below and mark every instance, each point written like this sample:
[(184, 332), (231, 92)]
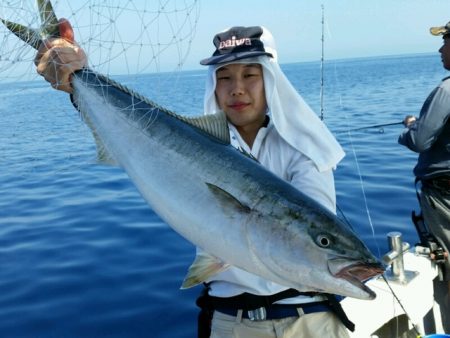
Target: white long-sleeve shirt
[(275, 154)]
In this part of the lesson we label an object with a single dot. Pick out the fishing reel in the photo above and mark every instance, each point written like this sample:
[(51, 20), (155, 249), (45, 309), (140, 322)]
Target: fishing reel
[(429, 245)]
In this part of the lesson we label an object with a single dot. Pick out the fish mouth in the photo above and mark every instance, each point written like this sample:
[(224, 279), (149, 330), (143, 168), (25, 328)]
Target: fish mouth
[(356, 273)]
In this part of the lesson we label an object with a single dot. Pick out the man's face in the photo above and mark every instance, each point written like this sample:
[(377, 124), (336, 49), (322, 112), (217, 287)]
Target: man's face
[(240, 94), (445, 53)]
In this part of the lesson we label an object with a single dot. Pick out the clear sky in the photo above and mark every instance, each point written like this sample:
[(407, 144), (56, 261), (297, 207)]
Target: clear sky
[(353, 28)]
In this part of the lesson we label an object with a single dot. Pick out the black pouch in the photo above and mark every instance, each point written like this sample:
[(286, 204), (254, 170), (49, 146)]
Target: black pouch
[(205, 315)]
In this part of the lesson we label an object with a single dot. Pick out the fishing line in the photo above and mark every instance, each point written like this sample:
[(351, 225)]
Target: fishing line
[(363, 191), (350, 138), (321, 65), (358, 169), (361, 182), (370, 127), (366, 204), (401, 305)]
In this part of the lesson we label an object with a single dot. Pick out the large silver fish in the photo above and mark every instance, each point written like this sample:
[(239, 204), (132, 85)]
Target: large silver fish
[(216, 197)]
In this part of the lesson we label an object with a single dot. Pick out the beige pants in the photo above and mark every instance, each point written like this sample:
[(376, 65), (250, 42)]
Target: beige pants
[(313, 325)]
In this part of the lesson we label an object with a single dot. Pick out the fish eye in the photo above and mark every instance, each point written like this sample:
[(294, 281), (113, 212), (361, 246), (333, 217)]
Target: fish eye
[(323, 241)]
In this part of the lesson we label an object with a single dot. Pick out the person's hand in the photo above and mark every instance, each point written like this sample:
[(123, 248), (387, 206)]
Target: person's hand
[(58, 58), (409, 120)]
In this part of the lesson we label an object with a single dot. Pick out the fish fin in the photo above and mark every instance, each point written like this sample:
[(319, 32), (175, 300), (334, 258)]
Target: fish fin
[(214, 124), (103, 155), (226, 198), (247, 154), (205, 265)]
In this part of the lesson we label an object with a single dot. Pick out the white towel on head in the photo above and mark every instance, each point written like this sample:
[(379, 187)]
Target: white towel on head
[(293, 118)]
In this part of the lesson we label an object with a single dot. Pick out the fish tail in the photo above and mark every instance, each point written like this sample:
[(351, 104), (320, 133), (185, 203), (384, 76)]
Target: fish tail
[(32, 36)]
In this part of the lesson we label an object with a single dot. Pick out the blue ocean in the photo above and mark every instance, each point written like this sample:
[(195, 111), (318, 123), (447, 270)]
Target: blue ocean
[(83, 255)]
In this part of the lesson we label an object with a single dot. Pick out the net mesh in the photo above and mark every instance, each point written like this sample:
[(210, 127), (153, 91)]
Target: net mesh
[(120, 37), (141, 44)]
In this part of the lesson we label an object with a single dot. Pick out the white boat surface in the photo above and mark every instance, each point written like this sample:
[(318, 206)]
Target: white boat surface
[(409, 301)]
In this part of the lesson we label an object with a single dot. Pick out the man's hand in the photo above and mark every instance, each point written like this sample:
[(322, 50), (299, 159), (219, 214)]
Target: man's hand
[(409, 120), (58, 58)]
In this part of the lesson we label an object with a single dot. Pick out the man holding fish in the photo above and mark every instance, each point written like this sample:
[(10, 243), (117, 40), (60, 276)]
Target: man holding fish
[(270, 122)]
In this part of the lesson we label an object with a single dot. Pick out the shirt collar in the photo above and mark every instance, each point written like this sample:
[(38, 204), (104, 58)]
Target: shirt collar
[(238, 142)]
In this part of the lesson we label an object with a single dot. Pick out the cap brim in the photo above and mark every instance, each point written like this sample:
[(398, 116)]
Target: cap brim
[(442, 30), (225, 58)]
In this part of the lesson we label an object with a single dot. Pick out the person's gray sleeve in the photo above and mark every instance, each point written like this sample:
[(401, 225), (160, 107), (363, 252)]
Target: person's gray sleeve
[(433, 116)]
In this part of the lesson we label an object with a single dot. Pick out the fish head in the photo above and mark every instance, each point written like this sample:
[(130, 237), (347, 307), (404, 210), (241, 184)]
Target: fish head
[(345, 259), (319, 253)]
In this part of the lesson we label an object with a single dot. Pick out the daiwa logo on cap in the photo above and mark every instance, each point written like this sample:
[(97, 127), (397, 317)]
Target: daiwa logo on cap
[(233, 42), (238, 43)]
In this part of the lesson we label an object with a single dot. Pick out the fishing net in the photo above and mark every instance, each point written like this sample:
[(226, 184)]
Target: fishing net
[(119, 36), (141, 44)]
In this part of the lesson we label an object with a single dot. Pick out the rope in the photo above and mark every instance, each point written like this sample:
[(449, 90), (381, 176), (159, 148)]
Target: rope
[(401, 305)]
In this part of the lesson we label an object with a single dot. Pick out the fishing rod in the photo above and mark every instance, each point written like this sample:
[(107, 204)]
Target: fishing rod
[(321, 68), (369, 127), (322, 59)]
